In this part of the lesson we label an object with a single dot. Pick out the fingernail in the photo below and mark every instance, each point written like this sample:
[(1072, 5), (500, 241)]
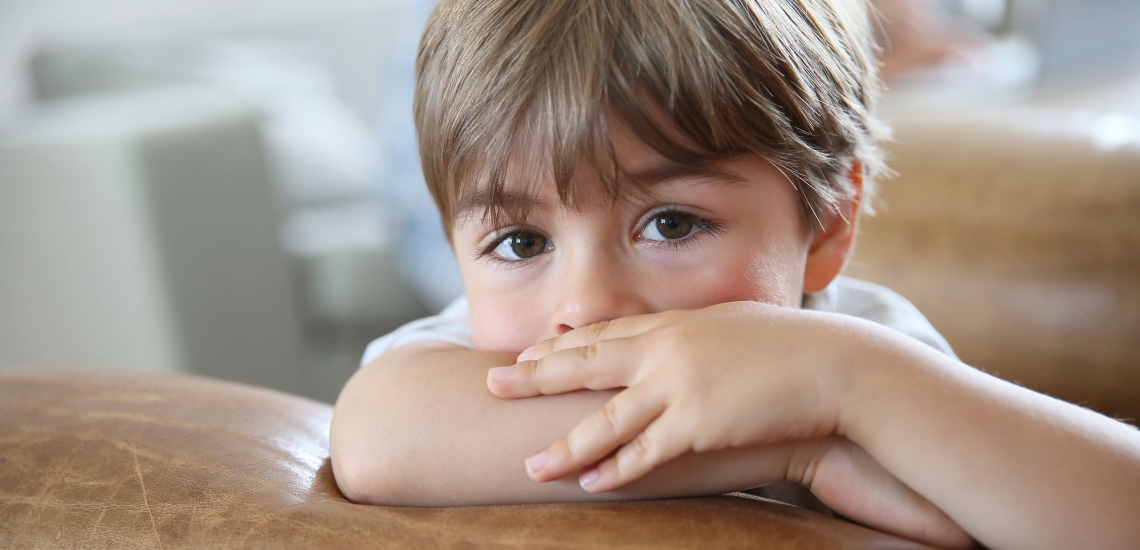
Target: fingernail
[(526, 355), (587, 479), (537, 462), (500, 374)]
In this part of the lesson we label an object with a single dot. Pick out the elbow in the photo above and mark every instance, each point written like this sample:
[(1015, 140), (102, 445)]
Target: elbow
[(359, 481), (365, 470)]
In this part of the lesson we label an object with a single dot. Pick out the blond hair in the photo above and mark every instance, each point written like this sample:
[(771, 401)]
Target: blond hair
[(699, 81)]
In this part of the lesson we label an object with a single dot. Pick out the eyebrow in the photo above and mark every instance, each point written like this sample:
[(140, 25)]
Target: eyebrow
[(480, 200)]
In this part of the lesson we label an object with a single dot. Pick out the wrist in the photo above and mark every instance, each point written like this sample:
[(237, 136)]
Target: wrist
[(836, 346), (889, 374), (862, 354)]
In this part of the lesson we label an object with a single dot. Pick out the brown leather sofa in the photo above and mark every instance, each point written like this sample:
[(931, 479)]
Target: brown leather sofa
[(1018, 234)]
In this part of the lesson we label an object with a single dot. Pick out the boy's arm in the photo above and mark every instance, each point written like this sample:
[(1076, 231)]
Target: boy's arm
[(418, 427), (1017, 468)]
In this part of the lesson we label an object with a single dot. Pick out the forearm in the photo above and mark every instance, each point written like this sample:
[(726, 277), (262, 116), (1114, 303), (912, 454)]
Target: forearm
[(1013, 467), (420, 428)]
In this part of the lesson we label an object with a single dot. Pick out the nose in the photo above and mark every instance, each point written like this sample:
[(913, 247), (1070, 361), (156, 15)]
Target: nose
[(594, 289)]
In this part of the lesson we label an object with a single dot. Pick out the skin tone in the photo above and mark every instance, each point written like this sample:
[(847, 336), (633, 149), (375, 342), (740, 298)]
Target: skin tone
[(1014, 468), (677, 317), (728, 233)]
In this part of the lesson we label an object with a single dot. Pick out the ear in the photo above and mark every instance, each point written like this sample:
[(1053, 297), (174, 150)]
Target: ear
[(832, 246)]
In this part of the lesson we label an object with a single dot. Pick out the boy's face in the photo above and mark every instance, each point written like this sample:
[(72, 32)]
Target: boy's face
[(734, 232)]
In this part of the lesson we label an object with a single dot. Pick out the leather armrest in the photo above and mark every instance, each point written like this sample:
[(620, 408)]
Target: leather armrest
[(97, 459)]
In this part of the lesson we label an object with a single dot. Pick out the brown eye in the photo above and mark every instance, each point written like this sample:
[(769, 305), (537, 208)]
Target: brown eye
[(521, 246), (670, 226), (527, 245)]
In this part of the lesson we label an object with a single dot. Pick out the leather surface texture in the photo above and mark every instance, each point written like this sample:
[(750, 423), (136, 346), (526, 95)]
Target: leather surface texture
[(1016, 231), (105, 459)]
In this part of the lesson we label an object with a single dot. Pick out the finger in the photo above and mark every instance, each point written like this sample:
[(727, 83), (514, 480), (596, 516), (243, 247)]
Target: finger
[(616, 423), (661, 442), (850, 481), (622, 327), (600, 366)]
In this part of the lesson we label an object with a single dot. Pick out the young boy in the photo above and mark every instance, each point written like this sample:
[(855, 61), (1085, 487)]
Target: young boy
[(652, 201)]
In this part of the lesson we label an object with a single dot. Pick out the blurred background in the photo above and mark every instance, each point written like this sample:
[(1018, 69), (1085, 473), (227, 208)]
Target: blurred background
[(231, 187)]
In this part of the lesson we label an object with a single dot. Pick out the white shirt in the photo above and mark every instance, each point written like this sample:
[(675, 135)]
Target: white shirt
[(845, 295)]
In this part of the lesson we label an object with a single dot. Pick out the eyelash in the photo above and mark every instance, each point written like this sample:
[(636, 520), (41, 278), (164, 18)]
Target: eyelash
[(488, 251), (703, 226)]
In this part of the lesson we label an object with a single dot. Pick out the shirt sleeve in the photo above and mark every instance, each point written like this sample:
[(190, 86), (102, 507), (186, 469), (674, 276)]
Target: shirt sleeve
[(880, 305), (451, 326)]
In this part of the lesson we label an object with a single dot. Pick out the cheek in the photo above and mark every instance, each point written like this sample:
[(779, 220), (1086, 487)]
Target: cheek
[(778, 278), (775, 266), (502, 319), (503, 327), (760, 279), (770, 272)]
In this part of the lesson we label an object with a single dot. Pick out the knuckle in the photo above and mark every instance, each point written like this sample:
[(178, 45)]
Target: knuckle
[(705, 441), (536, 369), (670, 334), (566, 446), (597, 330), (587, 353), (642, 449), (703, 445), (610, 418), (685, 332)]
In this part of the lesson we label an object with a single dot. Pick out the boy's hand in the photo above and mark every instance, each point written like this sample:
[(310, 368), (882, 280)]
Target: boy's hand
[(731, 375)]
